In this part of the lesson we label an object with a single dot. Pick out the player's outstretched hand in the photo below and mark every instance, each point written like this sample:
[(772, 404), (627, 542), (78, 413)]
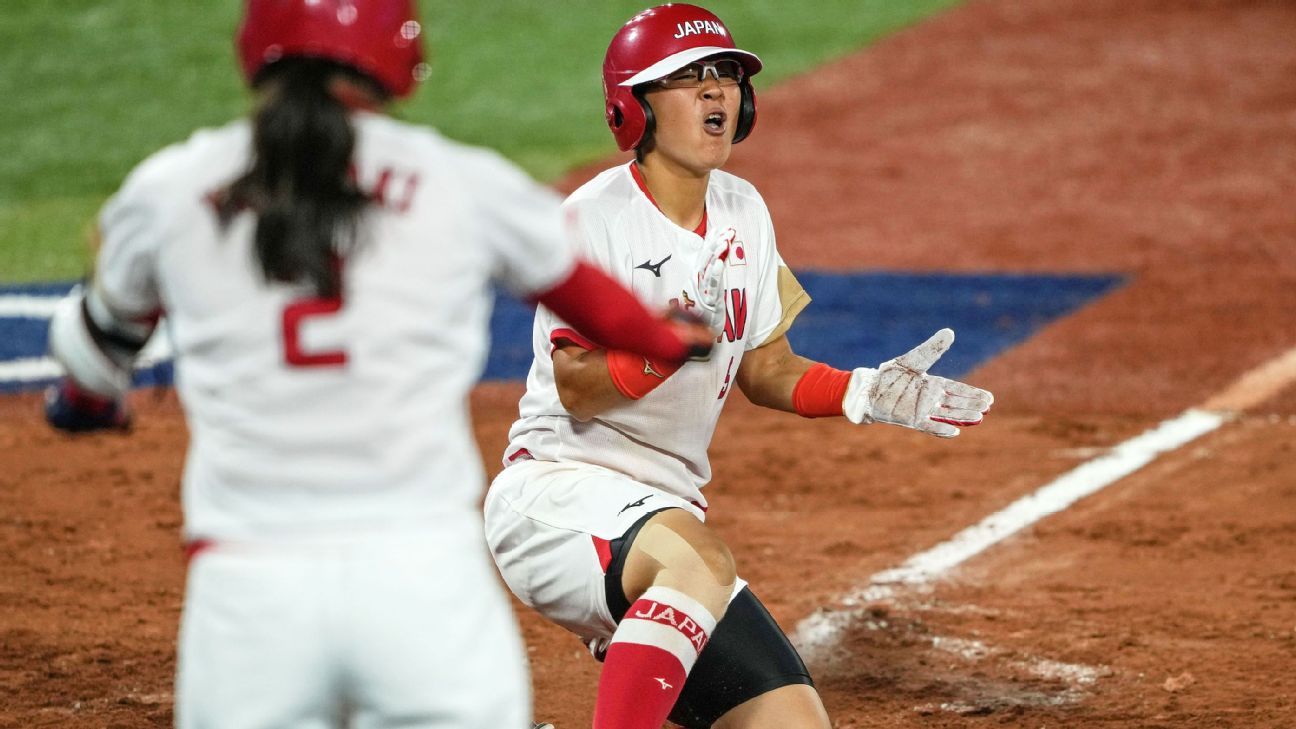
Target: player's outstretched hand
[(708, 280), (901, 392), (70, 408)]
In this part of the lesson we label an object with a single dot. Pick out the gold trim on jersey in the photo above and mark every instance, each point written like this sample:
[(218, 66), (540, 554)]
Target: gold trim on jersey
[(793, 298)]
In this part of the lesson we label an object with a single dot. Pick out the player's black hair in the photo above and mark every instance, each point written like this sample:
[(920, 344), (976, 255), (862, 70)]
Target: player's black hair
[(301, 185), (647, 140)]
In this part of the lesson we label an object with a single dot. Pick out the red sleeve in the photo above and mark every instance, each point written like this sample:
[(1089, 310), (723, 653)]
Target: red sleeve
[(635, 376), (820, 391), (611, 317)]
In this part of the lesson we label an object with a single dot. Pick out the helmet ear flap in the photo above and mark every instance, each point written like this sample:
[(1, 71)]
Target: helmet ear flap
[(625, 117), (614, 117), (746, 112)]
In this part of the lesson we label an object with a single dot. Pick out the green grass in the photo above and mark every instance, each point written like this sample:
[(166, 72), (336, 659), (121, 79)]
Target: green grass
[(89, 89)]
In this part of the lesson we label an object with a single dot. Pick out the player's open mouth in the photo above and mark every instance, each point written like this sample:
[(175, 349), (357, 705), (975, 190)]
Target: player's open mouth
[(714, 123)]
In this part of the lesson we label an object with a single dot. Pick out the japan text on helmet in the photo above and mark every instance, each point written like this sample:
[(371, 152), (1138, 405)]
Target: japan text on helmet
[(380, 38), (656, 43)]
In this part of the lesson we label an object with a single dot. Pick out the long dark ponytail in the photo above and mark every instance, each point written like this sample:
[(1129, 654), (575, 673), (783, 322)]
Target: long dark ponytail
[(300, 185)]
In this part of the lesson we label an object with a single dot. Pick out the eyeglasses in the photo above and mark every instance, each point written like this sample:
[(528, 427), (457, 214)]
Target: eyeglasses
[(726, 71)]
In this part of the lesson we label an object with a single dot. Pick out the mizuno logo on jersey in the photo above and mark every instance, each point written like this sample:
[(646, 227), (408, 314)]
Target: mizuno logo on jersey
[(634, 504), (655, 268), (648, 370)]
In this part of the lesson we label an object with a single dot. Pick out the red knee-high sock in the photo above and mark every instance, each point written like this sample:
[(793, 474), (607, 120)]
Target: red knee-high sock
[(651, 653)]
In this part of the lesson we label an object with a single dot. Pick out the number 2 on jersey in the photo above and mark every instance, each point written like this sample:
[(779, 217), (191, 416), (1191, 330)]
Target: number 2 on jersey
[(293, 316)]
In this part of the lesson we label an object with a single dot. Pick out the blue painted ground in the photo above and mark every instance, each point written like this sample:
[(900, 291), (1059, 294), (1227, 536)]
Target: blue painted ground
[(859, 318), (862, 319)]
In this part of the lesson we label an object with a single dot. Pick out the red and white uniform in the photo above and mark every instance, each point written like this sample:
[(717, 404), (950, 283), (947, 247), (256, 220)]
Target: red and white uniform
[(331, 463), (568, 481), (306, 414), (662, 439)]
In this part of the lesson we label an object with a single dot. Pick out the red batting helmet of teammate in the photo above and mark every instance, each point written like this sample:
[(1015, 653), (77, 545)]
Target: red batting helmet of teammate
[(656, 43), (381, 38)]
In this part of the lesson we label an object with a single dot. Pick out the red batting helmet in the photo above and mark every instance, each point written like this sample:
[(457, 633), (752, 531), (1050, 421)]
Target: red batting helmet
[(380, 38), (656, 43)]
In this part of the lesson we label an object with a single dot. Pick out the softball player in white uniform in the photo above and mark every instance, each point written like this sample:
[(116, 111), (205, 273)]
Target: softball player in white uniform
[(598, 519), (330, 491)]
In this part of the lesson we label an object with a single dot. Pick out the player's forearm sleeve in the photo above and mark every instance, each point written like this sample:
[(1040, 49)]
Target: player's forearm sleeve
[(820, 392), (635, 376), (605, 312)]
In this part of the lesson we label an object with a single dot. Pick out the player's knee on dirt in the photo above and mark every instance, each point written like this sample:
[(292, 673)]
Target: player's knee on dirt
[(676, 550)]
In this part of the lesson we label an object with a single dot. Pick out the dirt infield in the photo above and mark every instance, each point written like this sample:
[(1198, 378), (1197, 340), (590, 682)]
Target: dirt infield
[(1153, 139)]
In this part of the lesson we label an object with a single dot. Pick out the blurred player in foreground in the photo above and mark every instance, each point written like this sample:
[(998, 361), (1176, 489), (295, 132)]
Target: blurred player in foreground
[(325, 272), (598, 520)]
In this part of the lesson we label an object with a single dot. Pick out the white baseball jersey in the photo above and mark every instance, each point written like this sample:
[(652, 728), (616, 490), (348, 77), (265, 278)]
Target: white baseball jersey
[(660, 440), (308, 414)]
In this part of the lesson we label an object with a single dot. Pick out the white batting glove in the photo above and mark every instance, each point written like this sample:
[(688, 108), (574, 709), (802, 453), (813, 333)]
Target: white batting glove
[(708, 295), (901, 392)]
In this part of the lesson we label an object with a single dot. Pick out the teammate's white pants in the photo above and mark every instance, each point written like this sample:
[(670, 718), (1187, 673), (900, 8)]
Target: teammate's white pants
[(356, 632)]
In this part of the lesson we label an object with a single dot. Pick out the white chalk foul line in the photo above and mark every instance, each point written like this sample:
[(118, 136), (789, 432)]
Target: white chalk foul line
[(1082, 481), (820, 631), (817, 632)]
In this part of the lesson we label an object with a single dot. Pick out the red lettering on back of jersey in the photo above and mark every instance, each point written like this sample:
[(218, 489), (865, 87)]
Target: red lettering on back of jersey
[(299, 310), (293, 314), (394, 189)]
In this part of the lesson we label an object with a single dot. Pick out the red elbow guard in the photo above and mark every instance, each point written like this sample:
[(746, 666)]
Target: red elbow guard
[(636, 376), (820, 391)]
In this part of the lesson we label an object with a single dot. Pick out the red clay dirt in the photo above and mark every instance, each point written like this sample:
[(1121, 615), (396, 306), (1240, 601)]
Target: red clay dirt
[(1154, 139)]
